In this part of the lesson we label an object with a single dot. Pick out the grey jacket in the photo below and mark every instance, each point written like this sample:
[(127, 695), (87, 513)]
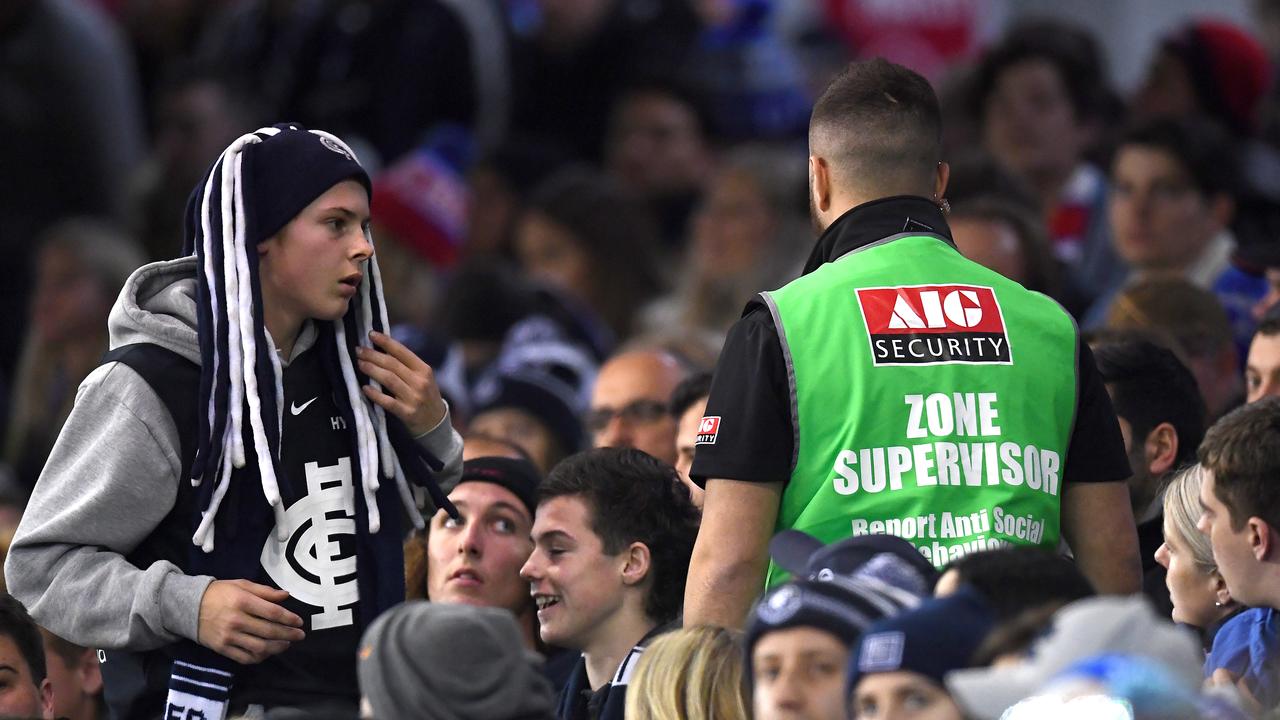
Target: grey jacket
[(112, 477)]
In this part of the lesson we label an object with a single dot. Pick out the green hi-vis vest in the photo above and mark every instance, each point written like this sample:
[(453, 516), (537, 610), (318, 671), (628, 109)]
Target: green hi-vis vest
[(931, 399)]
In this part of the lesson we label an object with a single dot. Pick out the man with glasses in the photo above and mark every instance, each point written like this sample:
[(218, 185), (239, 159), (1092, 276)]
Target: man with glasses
[(629, 403)]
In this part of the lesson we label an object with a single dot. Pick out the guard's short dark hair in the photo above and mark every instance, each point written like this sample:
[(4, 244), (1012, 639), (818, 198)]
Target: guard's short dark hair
[(690, 390), (17, 625), (633, 497), (1150, 385), (1018, 578), (879, 124), (1071, 51), (1242, 450), (1201, 147)]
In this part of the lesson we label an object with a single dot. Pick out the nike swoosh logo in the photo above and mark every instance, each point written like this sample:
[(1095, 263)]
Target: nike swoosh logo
[(297, 409)]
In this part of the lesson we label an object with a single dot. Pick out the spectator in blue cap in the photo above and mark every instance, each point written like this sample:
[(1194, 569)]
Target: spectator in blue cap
[(898, 670)]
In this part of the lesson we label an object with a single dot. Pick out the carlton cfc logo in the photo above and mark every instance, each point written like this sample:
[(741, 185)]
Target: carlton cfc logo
[(934, 325), (313, 563)]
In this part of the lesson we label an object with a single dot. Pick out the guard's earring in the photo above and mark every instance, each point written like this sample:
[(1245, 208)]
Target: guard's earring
[(943, 204)]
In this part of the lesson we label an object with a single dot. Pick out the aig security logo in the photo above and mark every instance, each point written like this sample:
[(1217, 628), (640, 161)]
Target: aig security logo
[(708, 430), (934, 325)]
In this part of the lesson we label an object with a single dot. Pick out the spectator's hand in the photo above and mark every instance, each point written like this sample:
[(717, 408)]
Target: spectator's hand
[(414, 396), (244, 621), (1223, 677)]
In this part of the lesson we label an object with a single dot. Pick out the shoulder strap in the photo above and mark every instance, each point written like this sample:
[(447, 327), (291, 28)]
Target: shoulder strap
[(135, 684), (175, 379)]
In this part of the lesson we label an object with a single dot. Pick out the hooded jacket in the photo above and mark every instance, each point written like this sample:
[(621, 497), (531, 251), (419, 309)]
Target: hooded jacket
[(113, 477)]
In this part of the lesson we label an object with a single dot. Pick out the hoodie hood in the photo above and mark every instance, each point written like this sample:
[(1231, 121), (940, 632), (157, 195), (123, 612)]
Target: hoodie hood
[(158, 305)]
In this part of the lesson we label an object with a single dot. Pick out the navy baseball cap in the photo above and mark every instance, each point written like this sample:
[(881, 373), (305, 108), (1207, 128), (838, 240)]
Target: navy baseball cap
[(939, 636), (843, 607), (887, 558)]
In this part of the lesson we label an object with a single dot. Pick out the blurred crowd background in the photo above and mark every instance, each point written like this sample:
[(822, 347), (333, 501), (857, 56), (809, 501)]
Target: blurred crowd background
[(559, 181)]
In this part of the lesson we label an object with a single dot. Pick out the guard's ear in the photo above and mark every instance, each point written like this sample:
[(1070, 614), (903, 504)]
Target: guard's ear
[(820, 183), (941, 178)]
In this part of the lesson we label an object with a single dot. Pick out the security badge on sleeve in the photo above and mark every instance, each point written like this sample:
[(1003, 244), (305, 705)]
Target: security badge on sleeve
[(708, 430)]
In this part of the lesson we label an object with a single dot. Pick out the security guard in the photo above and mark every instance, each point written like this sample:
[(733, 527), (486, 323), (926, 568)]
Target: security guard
[(897, 387)]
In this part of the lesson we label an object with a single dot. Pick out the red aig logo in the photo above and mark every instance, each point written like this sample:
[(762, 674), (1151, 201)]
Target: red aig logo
[(934, 324), (708, 429)]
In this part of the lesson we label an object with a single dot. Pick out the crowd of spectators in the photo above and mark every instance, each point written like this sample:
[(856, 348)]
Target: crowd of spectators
[(573, 201)]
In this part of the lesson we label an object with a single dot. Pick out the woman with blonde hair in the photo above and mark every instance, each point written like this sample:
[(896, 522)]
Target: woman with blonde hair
[(690, 674), (1196, 588)]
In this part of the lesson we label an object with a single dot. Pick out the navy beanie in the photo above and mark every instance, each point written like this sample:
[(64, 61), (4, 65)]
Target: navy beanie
[(935, 638), (284, 173), (843, 607), (288, 171)]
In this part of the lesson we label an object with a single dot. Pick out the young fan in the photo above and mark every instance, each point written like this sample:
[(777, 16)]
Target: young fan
[(611, 542), (221, 512)]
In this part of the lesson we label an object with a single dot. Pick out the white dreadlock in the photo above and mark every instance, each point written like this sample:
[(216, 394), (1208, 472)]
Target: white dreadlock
[(232, 303)]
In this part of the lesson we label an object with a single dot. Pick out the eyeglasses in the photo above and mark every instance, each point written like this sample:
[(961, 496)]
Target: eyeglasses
[(638, 412)]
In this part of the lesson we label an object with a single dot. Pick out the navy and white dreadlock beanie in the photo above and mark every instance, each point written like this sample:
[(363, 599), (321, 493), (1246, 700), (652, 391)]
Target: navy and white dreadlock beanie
[(256, 186)]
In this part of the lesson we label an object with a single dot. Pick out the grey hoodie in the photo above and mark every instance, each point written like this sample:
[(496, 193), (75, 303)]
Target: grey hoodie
[(112, 477)]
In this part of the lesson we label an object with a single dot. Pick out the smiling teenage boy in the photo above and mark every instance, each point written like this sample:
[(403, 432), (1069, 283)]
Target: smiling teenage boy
[(612, 539), (221, 510)]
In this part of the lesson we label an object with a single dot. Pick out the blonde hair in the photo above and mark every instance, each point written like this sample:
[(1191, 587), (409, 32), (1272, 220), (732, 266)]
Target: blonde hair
[(1182, 511), (690, 674)]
